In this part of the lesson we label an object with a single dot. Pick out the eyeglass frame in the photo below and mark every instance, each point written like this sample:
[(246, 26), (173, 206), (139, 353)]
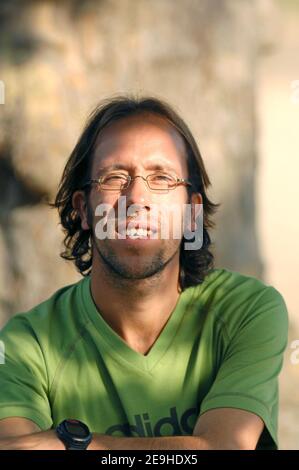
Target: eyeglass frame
[(130, 178)]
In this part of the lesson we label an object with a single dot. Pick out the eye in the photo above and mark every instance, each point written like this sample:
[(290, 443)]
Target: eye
[(161, 177), (111, 178)]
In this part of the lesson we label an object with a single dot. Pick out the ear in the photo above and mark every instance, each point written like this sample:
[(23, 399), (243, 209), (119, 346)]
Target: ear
[(80, 205), (196, 209)]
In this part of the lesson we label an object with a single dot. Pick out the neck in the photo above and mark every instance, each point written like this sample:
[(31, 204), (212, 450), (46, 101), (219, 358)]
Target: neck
[(136, 309)]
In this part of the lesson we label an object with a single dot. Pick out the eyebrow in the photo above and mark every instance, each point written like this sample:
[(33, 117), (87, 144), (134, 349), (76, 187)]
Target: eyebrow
[(150, 166)]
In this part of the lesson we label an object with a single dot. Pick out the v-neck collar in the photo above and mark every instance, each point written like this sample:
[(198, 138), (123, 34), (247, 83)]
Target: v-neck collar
[(118, 348)]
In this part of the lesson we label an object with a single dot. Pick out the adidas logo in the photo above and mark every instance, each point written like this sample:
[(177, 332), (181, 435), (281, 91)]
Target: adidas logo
[(171, 425)]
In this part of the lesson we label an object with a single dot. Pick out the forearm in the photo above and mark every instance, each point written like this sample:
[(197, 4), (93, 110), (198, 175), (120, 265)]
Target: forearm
[(47, 440), (104, 442)]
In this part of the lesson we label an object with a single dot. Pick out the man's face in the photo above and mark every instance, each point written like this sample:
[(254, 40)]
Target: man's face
[(138, 145)]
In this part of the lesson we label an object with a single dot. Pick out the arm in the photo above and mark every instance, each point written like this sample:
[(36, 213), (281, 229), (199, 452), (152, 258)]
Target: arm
[(216, 429), (13, 427), (104, 442), (47, 440), (222, 428), (229, 428), (23, 434)]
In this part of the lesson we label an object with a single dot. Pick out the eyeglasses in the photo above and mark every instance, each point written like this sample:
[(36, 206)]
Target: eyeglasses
[(158, 182)]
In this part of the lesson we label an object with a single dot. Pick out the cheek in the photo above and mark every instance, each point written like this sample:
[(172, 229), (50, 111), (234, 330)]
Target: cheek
[(102, 214), (172, 222), (100, 205)]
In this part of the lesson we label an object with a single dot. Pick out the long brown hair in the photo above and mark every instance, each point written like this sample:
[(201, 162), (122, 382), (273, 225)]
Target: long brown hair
[(194, 264)]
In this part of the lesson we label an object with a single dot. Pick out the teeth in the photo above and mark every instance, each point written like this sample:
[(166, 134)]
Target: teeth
[(138, 233)]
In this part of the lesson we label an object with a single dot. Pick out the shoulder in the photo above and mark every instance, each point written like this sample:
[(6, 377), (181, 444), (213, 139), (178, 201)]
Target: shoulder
[(54, 321), (235, 300)]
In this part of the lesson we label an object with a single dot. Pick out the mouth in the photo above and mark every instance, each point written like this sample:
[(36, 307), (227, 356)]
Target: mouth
[(135, 230)]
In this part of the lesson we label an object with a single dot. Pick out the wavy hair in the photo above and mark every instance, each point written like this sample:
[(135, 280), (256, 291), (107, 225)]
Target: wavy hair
[(194, 264)]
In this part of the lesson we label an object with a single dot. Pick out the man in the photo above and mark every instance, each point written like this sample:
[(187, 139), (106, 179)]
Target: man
[(154, 348)]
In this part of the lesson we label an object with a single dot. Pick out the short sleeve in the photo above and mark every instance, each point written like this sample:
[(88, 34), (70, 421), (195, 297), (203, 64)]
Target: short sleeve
[(23, 374), (248, 375)]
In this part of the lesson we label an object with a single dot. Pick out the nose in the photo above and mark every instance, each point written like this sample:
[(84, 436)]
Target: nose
[(138, 192)]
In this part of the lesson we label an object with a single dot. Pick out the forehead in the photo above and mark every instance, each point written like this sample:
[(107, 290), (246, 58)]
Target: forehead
[(140, 140)]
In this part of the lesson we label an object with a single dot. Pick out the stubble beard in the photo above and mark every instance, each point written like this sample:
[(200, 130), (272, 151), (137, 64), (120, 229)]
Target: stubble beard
[(135, 265)]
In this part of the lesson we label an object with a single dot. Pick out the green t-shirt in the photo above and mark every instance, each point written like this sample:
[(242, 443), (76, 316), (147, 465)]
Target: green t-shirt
[(221, 347)]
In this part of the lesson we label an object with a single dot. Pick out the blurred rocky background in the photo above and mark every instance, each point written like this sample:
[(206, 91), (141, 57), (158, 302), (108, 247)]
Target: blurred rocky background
[(229, 67)]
